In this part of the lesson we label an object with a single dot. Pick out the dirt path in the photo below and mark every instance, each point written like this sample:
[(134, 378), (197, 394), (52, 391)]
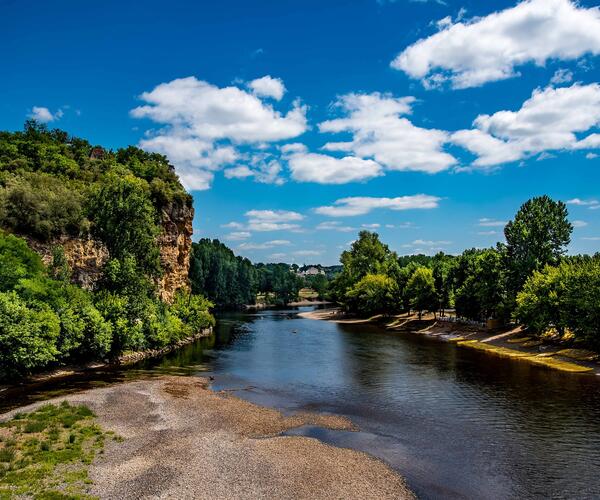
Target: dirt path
[(182, 440)]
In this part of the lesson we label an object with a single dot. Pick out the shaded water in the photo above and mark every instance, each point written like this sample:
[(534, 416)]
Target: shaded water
[(456, 423)]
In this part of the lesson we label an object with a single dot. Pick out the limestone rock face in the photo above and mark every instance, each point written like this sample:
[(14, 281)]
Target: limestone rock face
[(175, 242), (86, 256)]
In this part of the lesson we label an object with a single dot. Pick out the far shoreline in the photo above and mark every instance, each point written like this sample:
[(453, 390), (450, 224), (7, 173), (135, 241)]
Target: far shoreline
[(509, 342)]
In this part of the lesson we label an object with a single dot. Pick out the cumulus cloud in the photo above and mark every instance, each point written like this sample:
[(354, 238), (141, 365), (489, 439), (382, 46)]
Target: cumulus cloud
[(360, 205), (202, 125), (44, 115), (263, 246), (592, 204), (381, 132), (490, 48), (307, 253), (548, 120), (238, 235), (427, 247), (334, 226), (561, 76), (325, 169), (267, 86), (485, 222), (263, 168), (268, 220)]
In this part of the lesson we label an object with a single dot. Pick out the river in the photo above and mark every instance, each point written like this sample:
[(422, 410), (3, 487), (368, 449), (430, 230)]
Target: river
[(456, 423)]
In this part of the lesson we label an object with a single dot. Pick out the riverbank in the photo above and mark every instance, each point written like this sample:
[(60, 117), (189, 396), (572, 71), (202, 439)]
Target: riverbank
[(125, 359), (182, 440), (510, 343), (298, 303)]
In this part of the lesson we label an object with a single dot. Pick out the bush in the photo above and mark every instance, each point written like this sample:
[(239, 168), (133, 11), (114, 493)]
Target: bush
[(28, 336)]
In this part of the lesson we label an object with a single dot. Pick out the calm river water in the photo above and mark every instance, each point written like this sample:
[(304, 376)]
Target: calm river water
[(456, 423)]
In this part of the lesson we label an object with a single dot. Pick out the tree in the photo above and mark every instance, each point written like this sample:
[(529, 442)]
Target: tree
[(443, 274), (420, 290), (366, 256), (540, 304), (537, 237), (125, 220), (480, 285), (373, 294)]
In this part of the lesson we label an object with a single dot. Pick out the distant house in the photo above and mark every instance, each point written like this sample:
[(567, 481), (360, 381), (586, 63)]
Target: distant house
[(310, 271), (97, 153)]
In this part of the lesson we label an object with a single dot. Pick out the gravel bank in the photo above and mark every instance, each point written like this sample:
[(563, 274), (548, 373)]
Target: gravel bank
[(183, 440)]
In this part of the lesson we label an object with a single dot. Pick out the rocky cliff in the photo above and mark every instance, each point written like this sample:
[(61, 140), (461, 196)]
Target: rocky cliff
[(86, 256)]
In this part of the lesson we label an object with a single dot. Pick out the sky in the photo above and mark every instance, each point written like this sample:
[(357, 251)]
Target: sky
[(297, 124)]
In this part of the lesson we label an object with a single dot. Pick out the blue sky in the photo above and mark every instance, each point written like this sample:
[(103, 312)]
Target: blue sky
[(433, 120)]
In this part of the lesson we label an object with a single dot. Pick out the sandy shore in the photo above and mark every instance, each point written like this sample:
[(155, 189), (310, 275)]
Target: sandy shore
[(511, 342), (182, 440), (335, 314)]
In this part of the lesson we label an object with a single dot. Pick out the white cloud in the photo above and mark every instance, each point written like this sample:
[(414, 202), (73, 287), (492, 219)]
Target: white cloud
[(486, 49), (591, 156), (233, 225), (240, 172), (334, 226), (371, 226), (325, 169), (561, 76), (44, 115), (195, 159), (592, 204), (263, 168), (428, 243), (263, 246), (307, 253), (273, 220), (485, 222), (579, 223), (487, 233), (591, 238), (379, 131), (360, 205), (278, 255), (274, 215), (548, 120), (267, 86), (238, 235), (203, 124)]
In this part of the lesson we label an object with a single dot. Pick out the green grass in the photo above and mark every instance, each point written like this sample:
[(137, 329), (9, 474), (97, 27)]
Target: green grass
[(45, 454)]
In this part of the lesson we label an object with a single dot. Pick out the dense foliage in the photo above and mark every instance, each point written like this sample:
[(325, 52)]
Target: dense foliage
[(54, 186), (529, 279), (231, 281)]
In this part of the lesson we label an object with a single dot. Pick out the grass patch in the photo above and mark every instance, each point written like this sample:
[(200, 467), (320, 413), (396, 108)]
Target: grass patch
[(45, 454), (308, 293), (544, 360)]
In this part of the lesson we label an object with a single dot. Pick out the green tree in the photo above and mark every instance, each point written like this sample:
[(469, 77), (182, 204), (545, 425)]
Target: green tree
[(27, 336), (374, 294), (540, 304), (536, 237), (125, 220), (421, 292), (481, 285), (366, 256)]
